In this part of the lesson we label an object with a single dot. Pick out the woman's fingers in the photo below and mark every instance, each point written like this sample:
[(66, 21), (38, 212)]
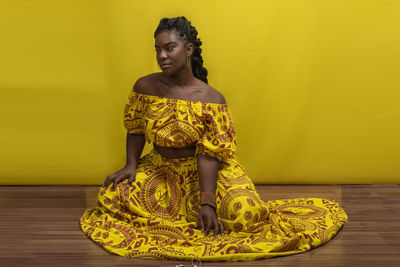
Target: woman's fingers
[(221, 227), (117, 180), (209, 222), (117, 177), (216, 227), (131, 179), (201, 223), (115, 183), (107, 182), (109, 179)]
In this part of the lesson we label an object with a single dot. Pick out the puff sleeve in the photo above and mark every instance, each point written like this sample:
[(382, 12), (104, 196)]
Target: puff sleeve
[(219, 138), (133, 114)]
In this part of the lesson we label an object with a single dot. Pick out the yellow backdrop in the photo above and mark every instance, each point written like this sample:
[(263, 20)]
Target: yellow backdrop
[(313, 86)]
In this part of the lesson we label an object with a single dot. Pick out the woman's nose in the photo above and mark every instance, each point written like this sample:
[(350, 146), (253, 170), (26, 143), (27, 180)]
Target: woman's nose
[(163, 54)]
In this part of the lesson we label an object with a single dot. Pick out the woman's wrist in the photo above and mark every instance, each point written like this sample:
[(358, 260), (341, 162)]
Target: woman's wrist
[(131, 164), (208, 206), (208, 198)]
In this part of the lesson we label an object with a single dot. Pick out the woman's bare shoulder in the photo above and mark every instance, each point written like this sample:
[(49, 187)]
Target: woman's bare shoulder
[(212, 95), (145, 84)]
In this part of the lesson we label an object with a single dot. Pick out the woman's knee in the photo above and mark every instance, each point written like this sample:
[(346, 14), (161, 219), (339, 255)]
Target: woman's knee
[(240, 209)]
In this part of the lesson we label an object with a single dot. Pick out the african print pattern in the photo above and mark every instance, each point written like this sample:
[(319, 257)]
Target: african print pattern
[(156, 217), (178, 123)]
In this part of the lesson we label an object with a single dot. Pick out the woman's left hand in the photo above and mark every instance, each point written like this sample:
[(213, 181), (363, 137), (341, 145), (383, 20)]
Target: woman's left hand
[(208, 216)]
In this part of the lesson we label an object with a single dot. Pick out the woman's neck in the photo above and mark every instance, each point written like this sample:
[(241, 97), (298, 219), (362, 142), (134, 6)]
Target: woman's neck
[(183, 78)]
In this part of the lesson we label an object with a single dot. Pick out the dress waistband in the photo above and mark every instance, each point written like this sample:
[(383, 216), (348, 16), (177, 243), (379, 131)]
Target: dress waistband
[(158, 159)]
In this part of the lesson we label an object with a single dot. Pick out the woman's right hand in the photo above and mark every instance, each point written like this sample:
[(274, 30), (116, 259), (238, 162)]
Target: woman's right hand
[(129, 171)]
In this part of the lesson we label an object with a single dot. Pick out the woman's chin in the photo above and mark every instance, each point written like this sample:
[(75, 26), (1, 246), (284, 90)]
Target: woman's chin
[(168, 72)]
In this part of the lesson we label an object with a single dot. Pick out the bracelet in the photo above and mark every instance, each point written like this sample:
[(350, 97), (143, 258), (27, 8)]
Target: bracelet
[(208, 198)]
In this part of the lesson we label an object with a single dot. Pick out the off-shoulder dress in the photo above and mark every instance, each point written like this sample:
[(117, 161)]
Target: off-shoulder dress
[(156, 218)]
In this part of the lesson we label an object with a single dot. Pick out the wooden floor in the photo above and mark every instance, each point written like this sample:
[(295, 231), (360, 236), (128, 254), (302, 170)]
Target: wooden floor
[(39, 227)]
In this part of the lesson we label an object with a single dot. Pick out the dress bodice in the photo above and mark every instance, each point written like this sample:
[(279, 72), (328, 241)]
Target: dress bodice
[(171, 122)]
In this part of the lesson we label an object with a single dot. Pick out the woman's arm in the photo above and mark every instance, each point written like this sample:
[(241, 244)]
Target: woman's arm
[(134, 148), (207, 169)]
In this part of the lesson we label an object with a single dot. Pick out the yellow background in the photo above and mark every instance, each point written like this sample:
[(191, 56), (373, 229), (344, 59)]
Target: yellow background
[(313, 86)]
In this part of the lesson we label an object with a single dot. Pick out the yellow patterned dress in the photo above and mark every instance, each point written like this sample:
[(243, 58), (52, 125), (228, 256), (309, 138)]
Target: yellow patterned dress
[(156, 218)]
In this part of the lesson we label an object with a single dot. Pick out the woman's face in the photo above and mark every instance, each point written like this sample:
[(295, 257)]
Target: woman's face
[(171, 52)]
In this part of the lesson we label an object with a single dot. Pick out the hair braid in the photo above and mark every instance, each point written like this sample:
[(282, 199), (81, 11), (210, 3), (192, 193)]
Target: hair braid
[(188, 33)]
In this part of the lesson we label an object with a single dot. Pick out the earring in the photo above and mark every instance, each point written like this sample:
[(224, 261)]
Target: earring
[(188, 60)]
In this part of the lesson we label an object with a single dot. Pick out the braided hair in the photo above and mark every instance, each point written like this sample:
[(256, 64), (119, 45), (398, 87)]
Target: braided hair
[(188, 33)]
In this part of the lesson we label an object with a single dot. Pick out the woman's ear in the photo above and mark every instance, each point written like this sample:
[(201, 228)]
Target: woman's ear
[(189, 49)]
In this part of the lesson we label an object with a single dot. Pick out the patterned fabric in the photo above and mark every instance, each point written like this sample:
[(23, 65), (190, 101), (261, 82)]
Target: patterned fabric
[(178, 123), (156, 218)]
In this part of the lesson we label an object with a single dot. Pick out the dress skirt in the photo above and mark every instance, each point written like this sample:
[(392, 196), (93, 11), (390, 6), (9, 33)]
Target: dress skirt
[(156, 217)]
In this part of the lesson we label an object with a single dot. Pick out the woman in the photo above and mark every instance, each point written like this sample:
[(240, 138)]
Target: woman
[(165, 204)]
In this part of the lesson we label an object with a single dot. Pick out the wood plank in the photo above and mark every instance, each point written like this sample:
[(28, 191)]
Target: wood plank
[(39, 227)]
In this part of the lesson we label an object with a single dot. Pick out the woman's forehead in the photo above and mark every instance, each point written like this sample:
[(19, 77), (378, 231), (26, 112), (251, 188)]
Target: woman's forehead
[(166, 37)]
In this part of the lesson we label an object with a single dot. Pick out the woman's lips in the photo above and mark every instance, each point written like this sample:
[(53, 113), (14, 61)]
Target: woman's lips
[(165, 65)]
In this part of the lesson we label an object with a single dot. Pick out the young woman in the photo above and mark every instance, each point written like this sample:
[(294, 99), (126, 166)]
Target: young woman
[(165, 204)]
